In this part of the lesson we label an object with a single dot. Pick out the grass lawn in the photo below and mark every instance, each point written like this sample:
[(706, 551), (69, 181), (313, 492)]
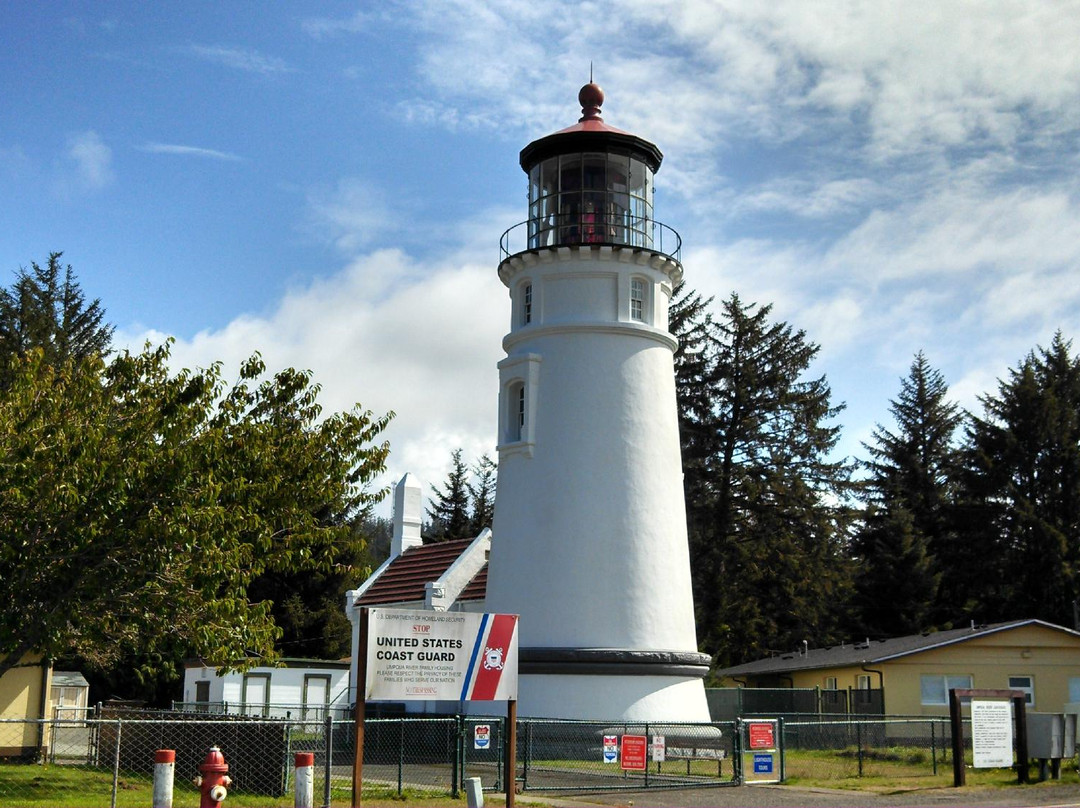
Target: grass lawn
[(31, 786)]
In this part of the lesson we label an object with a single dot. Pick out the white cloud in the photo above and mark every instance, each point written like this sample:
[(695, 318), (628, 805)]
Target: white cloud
[(245, 59), (391, 334), (86, 165), (188, 151)]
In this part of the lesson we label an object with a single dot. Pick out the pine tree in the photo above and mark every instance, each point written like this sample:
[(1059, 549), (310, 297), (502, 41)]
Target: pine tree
[(766, 511), (910, 491), (482, 494), (46, 309), (449, 514), (1022, 491)]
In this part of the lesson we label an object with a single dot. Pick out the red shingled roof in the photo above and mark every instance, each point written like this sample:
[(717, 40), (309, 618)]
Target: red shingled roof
[(403, 581)]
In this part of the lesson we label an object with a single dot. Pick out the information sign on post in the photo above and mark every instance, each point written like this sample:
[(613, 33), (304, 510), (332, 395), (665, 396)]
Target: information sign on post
[(991, 734), (451, 656)]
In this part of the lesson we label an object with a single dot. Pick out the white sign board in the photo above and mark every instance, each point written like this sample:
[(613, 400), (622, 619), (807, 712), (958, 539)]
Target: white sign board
[(659, 748), (451, 656), (991, 734)]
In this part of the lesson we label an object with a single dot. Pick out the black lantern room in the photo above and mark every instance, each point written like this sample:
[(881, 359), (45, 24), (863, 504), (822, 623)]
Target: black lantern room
[(591, 184)]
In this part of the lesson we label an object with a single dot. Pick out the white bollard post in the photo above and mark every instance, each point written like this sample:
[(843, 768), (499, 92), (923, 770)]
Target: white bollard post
[(474, 793), (164, 773), (305, 780)]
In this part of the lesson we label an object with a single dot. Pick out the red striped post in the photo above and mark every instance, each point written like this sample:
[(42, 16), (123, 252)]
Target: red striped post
[(305, 780), (164, 773)]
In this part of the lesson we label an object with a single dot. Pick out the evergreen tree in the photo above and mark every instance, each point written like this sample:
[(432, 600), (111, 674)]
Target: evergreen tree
[(46, 309), (766, 509), (1022, 492), (482, 494), (910, 490), (896, 583), (449, 514)]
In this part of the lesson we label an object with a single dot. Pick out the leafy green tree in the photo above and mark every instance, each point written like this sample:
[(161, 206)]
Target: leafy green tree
[(1021, 546), (766, 510), (46, 309), (482, 494), (449, 513), (911, 493), (138, 506)]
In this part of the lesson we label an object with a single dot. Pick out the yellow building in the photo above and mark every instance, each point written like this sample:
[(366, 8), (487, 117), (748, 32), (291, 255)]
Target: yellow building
[(24, 694), (915, 673)]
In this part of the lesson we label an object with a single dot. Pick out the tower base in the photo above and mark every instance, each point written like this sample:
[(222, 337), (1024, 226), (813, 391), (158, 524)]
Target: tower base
[(612, 697)]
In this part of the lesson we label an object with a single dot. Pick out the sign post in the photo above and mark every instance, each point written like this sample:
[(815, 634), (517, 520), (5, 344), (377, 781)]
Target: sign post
[(410, 655), (988, 736)]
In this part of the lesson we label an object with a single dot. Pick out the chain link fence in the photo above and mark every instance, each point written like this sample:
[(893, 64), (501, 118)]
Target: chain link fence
[(108, 760), (887, 747)]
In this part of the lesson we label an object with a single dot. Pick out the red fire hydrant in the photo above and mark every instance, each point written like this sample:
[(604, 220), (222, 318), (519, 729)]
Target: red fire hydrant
[(213, 779)]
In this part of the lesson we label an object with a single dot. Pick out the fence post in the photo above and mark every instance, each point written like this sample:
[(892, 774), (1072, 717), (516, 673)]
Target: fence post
[(933, 748), (328, 747), (116, 763), (781, 741), (164, 774), (858, 744), (401, 759)]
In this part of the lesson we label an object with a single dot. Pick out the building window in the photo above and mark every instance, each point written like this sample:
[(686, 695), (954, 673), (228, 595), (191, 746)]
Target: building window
[(637, 300), (830, 683), (1074, 688), (526, 304), (862, 682), (935, 688), (1025, 684)]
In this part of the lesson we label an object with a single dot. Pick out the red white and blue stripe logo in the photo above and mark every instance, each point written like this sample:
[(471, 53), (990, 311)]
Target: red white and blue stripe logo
[(494, 653)]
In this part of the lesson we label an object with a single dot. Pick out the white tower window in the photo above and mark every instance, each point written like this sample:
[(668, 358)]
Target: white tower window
[(519, 381), (637, 300), (516, 421), (526, 304)]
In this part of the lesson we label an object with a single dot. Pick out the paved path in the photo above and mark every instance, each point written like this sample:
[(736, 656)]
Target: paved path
[(1047, 795)]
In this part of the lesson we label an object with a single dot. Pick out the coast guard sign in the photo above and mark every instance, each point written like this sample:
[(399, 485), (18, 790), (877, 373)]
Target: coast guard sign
[(451, 656)]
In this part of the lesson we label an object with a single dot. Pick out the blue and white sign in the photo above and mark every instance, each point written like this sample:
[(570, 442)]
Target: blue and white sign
[(763, 764), (482, 736), (611, 748)]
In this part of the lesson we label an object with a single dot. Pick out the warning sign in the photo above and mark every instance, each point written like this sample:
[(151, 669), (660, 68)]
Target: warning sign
[(482, 736), (611, 748), (762, 734), (634, 750)]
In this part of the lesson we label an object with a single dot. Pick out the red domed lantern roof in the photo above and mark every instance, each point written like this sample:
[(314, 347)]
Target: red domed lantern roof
[(590, 133)]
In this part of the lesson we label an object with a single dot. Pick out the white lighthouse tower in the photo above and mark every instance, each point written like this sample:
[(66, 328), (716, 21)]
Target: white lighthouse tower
[(590, 542)]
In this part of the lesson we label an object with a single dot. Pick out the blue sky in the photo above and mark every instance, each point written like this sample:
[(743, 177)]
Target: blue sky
[(327, 182)]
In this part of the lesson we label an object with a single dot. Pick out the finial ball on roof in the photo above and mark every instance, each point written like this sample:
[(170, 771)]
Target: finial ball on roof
[(591, 98)]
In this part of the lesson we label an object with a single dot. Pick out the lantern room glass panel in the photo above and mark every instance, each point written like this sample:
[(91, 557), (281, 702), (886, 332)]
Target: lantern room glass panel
[(590, 198)]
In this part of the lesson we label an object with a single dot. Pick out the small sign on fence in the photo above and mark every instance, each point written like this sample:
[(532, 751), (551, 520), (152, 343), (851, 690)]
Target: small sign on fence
[(659, 748), (762, 734), (633, 752), (763, 763), (482, 736), (611, 748)]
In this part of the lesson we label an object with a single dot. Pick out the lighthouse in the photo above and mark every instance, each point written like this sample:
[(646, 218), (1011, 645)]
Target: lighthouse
[(590, 545)]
